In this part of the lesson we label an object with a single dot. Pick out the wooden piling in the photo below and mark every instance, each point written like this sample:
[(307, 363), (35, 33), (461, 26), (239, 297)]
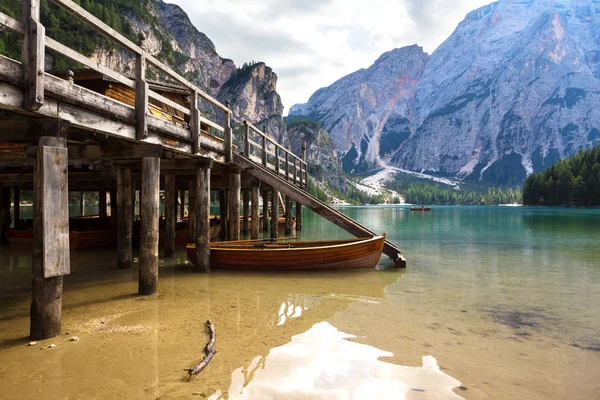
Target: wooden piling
[(148, 280), (254, 218), (223, 217), (181, 204), (265, 210), (203, 219), (289, 220), (124, 218), (113, 207), (102, 211), (50, 237), (170, 215), (234, 205), (82, 204), (4, 213), (192, 212), (246, 211), (298, 216), (17, 207), (274, 213)]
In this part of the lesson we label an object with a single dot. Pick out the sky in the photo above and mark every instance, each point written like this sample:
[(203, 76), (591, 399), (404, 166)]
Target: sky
[(312, 43)]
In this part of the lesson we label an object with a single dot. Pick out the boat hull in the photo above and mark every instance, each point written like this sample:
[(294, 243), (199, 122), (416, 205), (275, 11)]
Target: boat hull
[(363, 253)]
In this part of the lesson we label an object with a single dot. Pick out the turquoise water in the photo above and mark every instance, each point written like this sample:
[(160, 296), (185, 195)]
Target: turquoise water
[(503, 302)]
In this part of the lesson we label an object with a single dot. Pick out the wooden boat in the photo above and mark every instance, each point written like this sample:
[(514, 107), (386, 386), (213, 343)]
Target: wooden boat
[(420, 209), (292, 255)]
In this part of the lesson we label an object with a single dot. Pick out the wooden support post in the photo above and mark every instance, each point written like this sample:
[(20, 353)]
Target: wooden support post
[(192, 212), (195, 127), (274, 213), (228, 134), (170, 215), (50, 237), (265, 212), (148, 281), (264, 146), (181, 204), (17, 208), (82, 204), (254, 218), (141, 92), (289, 220), (223, 215), (4, 213), (303, 174), (113, 207), (33, 55), (124, 218), (246, 139), (203, 219), (102, 211), (298, 216), (246, 211), (235, 183)]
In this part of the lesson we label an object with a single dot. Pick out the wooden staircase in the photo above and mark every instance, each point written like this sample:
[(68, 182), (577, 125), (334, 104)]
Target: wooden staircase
[(314, 204)]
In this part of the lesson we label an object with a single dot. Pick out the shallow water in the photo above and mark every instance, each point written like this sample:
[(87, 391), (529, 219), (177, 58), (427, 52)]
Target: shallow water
[(503, 302)]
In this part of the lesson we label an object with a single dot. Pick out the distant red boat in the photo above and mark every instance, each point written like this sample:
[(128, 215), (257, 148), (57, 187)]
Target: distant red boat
[(420, 209)]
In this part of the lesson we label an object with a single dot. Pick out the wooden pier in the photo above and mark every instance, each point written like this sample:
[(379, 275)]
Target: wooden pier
[(122, 135)]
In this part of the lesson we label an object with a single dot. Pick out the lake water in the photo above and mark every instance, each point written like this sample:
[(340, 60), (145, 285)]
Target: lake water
[(496, 303)]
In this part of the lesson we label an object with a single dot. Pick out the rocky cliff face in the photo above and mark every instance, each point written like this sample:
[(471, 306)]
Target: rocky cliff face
[(355, 109), (170, 35), (511, 91), (321, 154)]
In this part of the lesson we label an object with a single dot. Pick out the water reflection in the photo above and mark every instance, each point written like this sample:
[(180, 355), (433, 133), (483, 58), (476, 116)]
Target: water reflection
[(322, 363)]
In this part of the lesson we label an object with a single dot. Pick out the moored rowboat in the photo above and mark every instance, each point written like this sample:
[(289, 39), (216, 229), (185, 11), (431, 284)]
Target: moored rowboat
[(292, 255)]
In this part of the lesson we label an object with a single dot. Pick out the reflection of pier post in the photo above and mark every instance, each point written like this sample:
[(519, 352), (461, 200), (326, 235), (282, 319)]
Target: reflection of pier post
[(289, 221), (223, 215), (298, 216), (17, 207), (265, 210), (246, 213), (192, 211), (149, 215)]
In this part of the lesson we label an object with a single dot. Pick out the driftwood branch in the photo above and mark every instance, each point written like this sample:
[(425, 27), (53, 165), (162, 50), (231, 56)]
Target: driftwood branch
[(209, 352)]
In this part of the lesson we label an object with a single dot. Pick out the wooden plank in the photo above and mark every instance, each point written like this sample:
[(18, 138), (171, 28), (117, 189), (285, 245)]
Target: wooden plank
[(254, 218), (88, 62), (234, 206), (149, 215), (55, 211), (31, 129), (195, 126), (47, 293), (170, 103), (170, 215), (33, 55), (141, 97), (212, 124), (246, 139), (124, 218), (203, 219), (11, 23)]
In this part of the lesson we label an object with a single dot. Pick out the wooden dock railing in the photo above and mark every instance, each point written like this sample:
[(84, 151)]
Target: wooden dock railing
[(35, 42)]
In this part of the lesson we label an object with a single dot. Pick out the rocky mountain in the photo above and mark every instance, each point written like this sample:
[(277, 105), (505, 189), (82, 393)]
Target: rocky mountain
[(512, 90), (355, 109)]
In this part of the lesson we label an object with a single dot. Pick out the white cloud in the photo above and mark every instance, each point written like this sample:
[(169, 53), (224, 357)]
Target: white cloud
[(311, 44)]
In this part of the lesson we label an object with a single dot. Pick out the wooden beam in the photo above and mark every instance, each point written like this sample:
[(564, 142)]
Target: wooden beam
[(113, 151), (203, 219), (33, 55), (170, 215), (234, 206), (254, 219), (124, 219), (12, 130), (148, 281), (50, 238)]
